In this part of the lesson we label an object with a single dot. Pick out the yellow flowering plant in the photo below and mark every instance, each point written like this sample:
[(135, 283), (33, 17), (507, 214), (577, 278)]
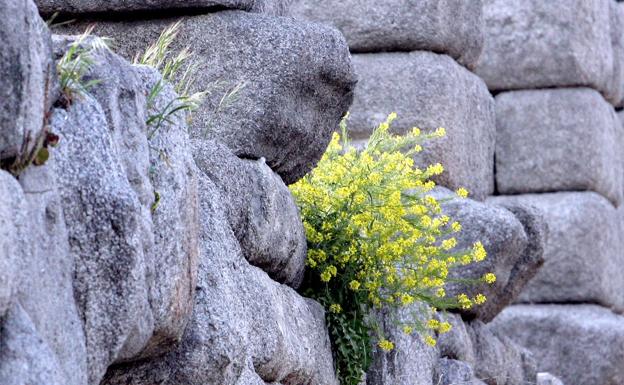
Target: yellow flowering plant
[(378, 240)]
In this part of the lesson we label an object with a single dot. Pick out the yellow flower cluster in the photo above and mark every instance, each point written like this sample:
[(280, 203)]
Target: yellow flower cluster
[(376, 236), (386, 345), (489, 278)]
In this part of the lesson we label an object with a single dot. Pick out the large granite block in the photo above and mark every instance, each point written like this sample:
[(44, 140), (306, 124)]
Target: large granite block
[(428, 91), (557, 140)]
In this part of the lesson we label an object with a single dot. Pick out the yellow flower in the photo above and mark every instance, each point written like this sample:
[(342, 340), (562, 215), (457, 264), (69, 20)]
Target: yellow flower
[(489, 278), (354, 285), (480, 299), (325, 276), (433, 324), (386, 345), (478, 252), (440, 132), (430, 341), (456, 227), (408, 329), (335, 308), (441, 293), (406, 299), (464, 302), (462, 192), (449, 243), (445, 327), (435, 169)]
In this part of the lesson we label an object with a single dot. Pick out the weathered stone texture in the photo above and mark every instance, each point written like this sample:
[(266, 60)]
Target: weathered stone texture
[(261, 211), (73, 7), (541, 44), (296, 82), (453, 27), (102, 213), (411, 362), (514, 250), (45, 275), (616, 26), (581, 344), (174, 208), (563, 139), (497, 359), (91, 279), (27, 84), (12, 222), (450, 372), (241, 318), (428, 91), (24, 356), (472, 352), (548, 379), (583, 255)]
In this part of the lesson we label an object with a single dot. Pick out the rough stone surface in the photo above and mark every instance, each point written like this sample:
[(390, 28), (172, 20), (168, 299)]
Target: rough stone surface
[(548, 379), (261, 211), (498, 360), (245, 328), (174, 208), (616, 19), (456, 344), (541, 44), (580, 344), (296, 82), (512, 256), (101, 212), (24, 357), (451, 372), (472, 353), (453, 27), (550, 140), (411, 362), (27, 84), (12, 220), (45, 275), (135, 260), (428, 91), (49, 7), (582, 255)]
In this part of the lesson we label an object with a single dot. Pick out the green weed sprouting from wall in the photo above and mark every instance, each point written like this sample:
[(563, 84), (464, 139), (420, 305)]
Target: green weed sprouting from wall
[(75, 64), (378, 241), (71, 69), (175, 69), (181, 71)]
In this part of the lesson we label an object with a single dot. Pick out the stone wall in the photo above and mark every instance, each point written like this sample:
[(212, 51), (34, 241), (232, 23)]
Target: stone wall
[(545, 137), (172, 257), (556, 69), (137, 255)]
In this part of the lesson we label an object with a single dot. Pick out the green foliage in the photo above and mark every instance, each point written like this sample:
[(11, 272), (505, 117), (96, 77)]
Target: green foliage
[(181, 72), (178, 71), (75, 64), (378, 242)]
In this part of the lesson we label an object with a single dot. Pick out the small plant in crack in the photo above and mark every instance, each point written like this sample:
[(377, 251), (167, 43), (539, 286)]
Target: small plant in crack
[(75, 64), (34, 149), (180, 70), (177, 70)]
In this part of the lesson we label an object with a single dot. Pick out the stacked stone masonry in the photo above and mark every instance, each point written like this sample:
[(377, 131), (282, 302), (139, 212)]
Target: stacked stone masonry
[(102, 283), (556, 69)]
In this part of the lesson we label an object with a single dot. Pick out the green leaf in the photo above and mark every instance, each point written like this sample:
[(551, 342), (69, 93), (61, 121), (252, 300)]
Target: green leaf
[(42, 156)]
